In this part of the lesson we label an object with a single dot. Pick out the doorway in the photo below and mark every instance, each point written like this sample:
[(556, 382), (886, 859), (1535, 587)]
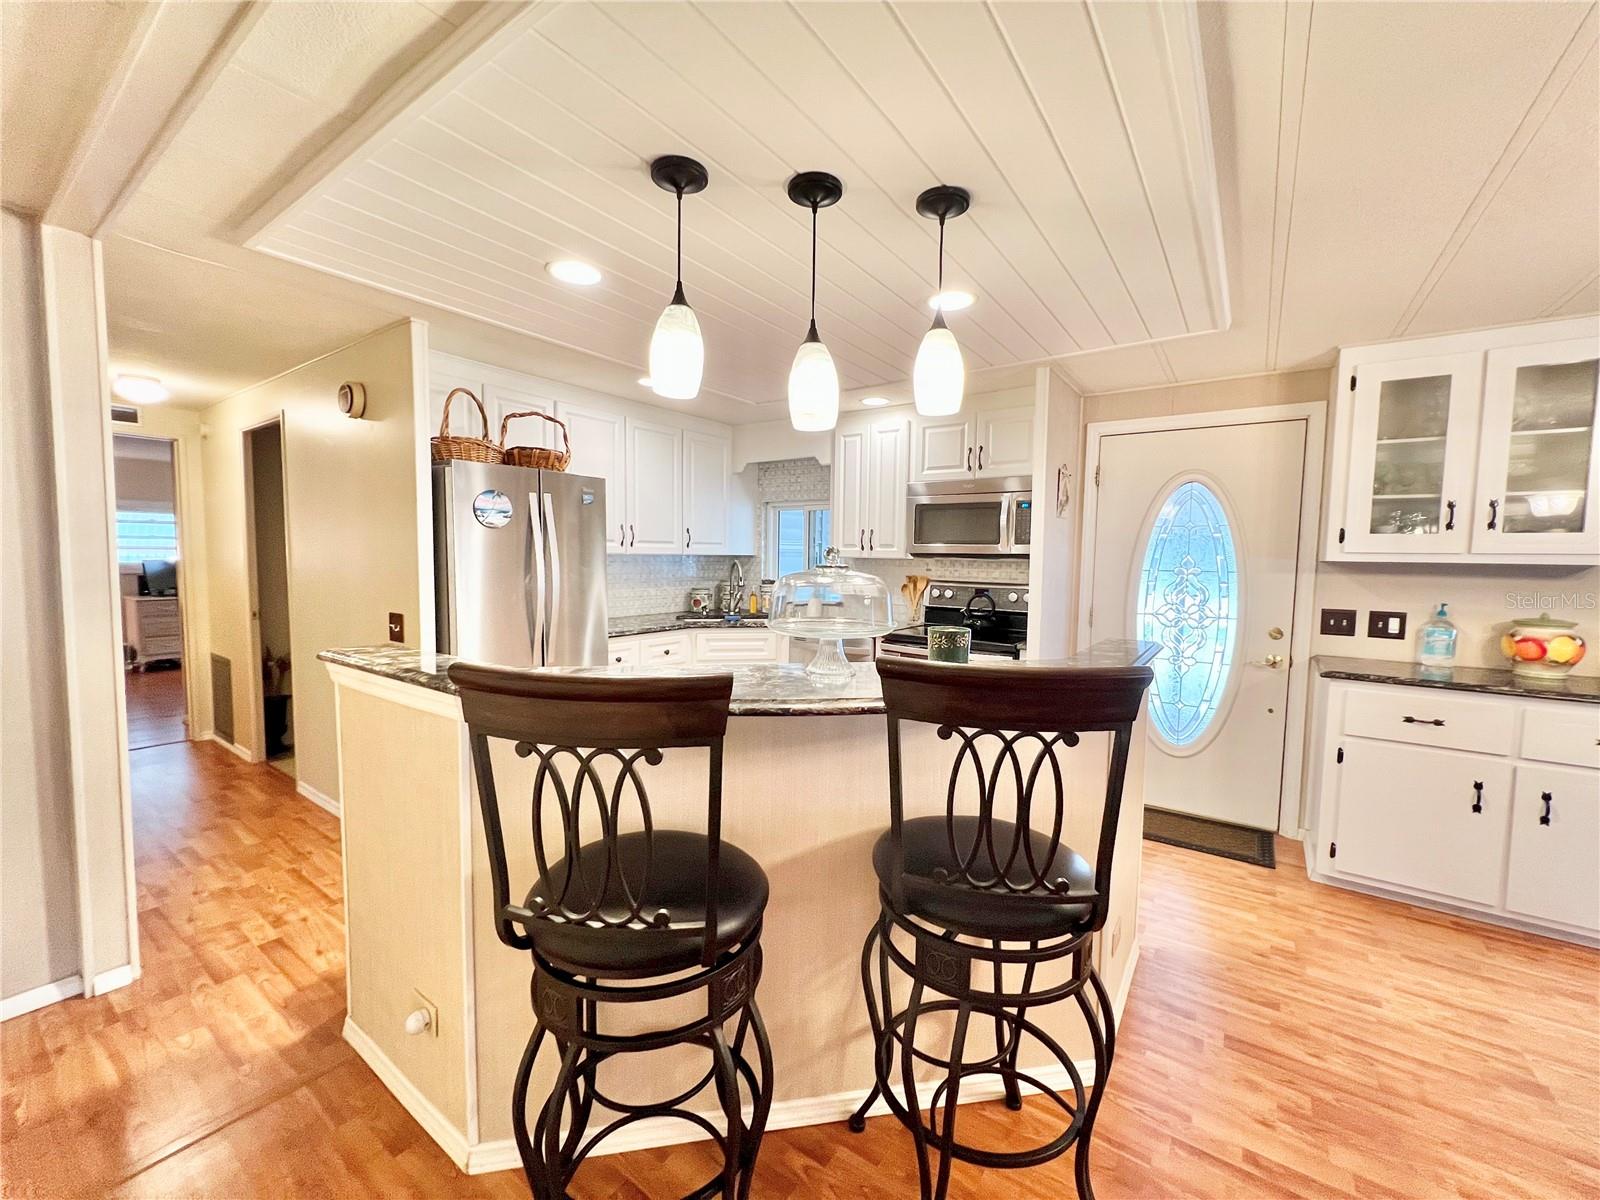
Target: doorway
[(1202, 539), (268, 544), (151, 590)]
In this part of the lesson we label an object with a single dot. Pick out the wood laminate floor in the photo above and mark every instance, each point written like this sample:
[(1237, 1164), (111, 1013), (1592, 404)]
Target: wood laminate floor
[(157, 707), (1283, 1039)]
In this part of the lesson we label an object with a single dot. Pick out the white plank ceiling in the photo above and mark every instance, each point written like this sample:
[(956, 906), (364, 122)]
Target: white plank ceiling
[(1081, 130)]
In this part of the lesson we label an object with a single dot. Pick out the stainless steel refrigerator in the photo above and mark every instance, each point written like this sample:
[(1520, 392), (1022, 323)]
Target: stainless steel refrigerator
[(519, 565)]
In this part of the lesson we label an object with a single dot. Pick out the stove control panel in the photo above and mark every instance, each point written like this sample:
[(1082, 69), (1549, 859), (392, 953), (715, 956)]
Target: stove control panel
[(1007, 597)]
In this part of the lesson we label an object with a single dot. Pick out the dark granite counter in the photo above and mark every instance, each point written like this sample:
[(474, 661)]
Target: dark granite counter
[(667, 622), (1585, 689), (764, 690)]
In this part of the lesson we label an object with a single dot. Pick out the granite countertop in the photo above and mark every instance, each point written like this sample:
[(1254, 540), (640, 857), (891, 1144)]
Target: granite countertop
[(666, 622), (766, 689), (1498, 681)]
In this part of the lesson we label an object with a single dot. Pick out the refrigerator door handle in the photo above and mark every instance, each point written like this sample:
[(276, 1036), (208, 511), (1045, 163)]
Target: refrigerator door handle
[(553, 548), (534, 594)]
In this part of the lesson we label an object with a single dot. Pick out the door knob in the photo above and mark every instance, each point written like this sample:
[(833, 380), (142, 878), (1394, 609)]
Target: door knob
[(1272, 660)]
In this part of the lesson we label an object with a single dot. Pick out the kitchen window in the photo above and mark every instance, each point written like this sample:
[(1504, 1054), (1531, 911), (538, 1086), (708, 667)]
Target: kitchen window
[(797, 535)]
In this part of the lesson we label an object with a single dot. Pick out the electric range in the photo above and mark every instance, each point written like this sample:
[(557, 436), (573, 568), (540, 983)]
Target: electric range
[(997, 614)]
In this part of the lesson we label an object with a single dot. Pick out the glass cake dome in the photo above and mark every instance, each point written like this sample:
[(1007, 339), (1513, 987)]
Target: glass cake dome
[(828, 603)]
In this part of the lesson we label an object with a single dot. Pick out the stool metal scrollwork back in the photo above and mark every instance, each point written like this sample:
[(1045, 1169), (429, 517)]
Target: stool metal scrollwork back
[(616, 898), (990, 890)]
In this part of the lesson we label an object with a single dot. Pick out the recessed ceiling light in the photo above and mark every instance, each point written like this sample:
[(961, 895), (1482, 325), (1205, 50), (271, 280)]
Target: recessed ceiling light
[(645, 381), (570, 270), (874, 401), (139, 389), (950, 301)]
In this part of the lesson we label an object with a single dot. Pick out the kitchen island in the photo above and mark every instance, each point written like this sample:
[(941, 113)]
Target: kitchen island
[(805, 792)]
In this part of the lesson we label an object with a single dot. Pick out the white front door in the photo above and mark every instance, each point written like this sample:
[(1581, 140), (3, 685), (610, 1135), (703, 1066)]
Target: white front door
[(1196, 544)]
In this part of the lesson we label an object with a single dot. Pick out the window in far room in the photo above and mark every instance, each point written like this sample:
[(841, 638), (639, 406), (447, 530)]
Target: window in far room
[(797, 534)]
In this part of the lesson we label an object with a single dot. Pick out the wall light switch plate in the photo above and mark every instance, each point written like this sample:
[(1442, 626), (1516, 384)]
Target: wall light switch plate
[(1386, 624), (1339, 622), (397, 627)]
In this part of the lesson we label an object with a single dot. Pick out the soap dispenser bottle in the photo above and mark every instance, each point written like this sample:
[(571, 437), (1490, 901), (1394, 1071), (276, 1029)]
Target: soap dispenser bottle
[(1436, 641)]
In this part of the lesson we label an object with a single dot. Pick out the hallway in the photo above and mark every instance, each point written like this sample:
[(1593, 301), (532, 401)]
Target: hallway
[(222, 1072)]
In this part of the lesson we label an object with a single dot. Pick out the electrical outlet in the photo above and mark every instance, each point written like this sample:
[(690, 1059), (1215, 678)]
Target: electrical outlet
[(397, 627), (1339, 622), (1386, 624)]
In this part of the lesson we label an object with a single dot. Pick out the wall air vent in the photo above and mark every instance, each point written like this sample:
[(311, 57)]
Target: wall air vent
[(124, 414)]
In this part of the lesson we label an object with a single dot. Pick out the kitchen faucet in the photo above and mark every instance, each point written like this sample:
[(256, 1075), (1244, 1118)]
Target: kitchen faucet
[(735, 587)]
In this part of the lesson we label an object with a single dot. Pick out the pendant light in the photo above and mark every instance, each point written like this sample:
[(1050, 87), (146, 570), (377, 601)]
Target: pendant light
[(813, 381), (939, 377), (677, 351)]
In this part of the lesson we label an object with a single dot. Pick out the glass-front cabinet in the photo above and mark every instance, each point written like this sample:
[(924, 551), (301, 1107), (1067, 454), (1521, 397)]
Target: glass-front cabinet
[(1413, 437), (1537, 464)]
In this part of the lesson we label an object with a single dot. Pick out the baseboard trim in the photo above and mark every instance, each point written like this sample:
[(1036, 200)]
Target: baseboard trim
[(40, 997), (234, 747), (320, 799), (434, 1123), (110, 981), (657, 1132)]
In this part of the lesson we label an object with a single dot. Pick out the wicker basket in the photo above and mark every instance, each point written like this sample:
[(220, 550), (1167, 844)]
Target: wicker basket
[(448, 446), (537, 456)]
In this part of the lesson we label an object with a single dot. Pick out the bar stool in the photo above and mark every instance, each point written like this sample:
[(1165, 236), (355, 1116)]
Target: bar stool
[(971, 896), (621, 917)]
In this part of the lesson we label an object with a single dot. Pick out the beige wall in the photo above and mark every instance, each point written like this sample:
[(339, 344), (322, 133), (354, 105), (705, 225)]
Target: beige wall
[(144, 475), (39, 930), (1480, 597), (351, 503)]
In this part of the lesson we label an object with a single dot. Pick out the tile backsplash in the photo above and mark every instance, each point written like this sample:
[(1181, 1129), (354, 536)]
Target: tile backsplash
[(640, 584), (893, 572)]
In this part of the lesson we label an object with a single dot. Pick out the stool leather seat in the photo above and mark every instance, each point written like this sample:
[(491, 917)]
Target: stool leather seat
[(677, 883), (995, 913)]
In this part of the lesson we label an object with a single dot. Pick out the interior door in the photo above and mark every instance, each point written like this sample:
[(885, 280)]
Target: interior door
[(655, 488), (707, 477), (1196, 545), (1414, 425), (1538, 472)]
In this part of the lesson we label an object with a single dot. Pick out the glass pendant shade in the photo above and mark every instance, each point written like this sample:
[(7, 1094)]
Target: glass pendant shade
[(677, 352), (813, 387), (939, 377)]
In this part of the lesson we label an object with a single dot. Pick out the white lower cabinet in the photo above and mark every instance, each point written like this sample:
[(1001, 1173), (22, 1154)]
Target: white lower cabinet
[(734, 646), (1554, 872), (1449, 798), (1428, 819)]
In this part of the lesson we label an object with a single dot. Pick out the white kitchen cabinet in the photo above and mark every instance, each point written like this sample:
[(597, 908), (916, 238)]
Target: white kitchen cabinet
[(654, 487), (674, 647), (987, 439), (849, 501), (944, 448), (1435, 796), (1538, 470), (623, 652), (888, 465), (1428, 819), (507, 400), (1005, 441), (736, 645), (1554, 869), (707, 483), (1472, 447), (599, 449)]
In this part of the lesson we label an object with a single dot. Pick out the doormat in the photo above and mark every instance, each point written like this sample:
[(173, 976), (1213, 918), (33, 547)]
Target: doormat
[(1210, 837)]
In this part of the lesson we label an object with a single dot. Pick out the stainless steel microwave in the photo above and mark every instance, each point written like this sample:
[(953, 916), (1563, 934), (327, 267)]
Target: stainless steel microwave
[(971, 516)]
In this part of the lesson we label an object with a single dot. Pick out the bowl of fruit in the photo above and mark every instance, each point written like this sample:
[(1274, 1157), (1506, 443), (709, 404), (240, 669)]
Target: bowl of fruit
[(1542, 647)]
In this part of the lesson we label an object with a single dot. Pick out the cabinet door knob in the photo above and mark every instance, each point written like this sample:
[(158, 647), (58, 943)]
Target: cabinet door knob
[(969, 458), (687, 540), (1544, 817), (980, 458), (1477, 795), (1494, 513), (872, 539), (1450, 520)]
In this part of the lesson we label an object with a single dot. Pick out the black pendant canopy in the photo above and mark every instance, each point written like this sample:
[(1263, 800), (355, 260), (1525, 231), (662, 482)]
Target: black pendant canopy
[(943, 202), (675, 173), (815, 189)]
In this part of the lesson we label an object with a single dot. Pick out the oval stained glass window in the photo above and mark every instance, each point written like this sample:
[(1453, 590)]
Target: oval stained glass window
[(1187, 601)]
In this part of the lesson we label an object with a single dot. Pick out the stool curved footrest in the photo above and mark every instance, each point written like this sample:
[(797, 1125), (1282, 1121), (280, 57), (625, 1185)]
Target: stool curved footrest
[(933, 1127)]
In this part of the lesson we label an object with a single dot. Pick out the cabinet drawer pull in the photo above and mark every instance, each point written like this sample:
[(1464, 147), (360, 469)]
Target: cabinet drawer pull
[(1423, 721), (1544, 817), (1477, 795), (1494, 513), (861, 539), (872, 539), (980, 458), (687, 540), (969, 458), (1450, 520)]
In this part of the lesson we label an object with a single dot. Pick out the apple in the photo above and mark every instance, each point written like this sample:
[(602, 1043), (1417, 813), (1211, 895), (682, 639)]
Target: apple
[(1530, 649)]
